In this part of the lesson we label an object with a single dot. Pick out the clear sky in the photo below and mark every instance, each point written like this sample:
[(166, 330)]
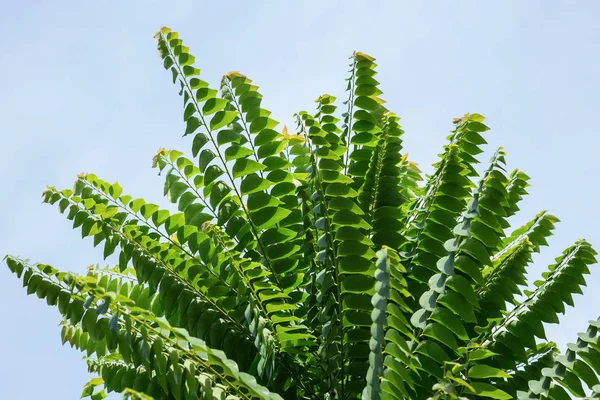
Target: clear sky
[(83, 89)]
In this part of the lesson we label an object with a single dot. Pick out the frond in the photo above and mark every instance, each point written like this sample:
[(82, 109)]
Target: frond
[(183, 184), (280, 243), (382, 197), (120, 377), (518, 329), (388, 375), (143, 339), (380, 299), (430, 220), (537, 360), (363, 122), (537, 230), (346, 281), (410, 178), (516, 188), (259, 210), (574, 374), (226, 186), (399, 360), (176, 273), (507, 273), (488, 227)]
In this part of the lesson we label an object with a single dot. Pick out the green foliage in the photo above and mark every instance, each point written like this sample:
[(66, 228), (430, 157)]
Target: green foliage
[(314, 264)]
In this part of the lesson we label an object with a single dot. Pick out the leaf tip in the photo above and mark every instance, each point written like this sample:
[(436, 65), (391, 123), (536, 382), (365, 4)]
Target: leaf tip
[(231, 75), (358, 55), (157, 156)]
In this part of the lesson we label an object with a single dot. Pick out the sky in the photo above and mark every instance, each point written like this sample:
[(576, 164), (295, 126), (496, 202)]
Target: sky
[(83, 89)]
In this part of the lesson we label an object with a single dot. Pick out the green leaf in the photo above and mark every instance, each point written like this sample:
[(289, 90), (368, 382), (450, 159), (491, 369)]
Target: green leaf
[(481, 354), (88, 322), (206, 156), (148, 209), (367, 103), (340, 190), (218, 193), (213, 105), (212, 173), (260, 200), (192, 124), (174, 222), (228, 136), (245, 166), (159, 217), (222, 118), (199, 141), (194, 214), (271, 149), (189, 111), (190, 71), (475, 249), (487, 390), (476, 126), (254, 183), (482, 371), (262, 123), (205, 93), (457, 304), (432, 350), (268, 216), (441, 334), (461, 285), (234, 152), (450, 321), (266, 136)]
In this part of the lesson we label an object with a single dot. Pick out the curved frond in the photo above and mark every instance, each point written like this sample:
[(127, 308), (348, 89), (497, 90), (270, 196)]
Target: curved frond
[(430, 221), (142, 338), (178, 276), (364, 120), (450, 303), (382, 197), (507, 273), (268, 147), (259, 210), (574, 374), (232, 181), (537, 360), (518, 329)]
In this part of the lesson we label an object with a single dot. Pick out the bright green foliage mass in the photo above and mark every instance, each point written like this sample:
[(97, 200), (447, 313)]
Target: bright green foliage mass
[(318, 264)]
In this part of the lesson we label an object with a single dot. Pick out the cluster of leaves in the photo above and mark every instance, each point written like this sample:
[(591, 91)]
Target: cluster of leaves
[(315, 265)]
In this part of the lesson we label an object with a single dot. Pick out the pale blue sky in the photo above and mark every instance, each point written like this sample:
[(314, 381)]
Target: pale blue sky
[(82, 89)]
